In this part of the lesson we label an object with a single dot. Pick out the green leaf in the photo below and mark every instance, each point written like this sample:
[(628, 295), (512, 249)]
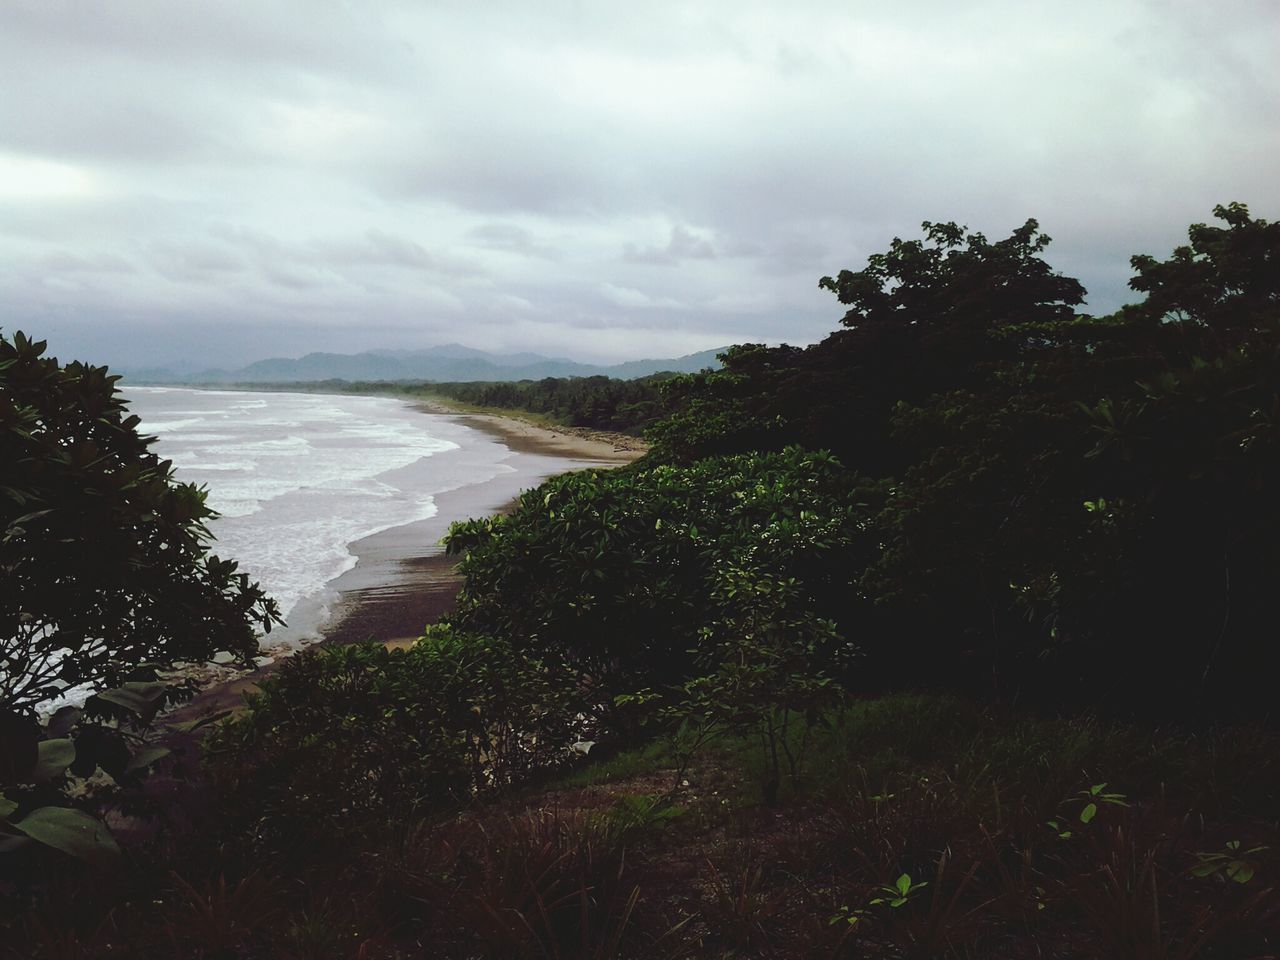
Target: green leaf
[(11, 842), (193, 725), (53, 758), (1241, 871), (1089, 812), (6, 808), (904, 883), (146, 757), (144, 699), (73, 832), (63, 720)]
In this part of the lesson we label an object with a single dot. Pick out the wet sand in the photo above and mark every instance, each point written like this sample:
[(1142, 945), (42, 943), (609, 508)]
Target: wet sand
[(402, 581)]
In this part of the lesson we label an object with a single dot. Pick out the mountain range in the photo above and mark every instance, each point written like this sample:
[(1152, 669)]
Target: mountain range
[(445, 363)]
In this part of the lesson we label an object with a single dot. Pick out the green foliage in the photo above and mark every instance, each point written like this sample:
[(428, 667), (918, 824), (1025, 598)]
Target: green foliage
[(1230, 863), (104, 558), (1065, 503), (924, 317), (616, 573), (72, 831), (600, 403), (771, 669), (78, 762), (106, 577), (341, 736)]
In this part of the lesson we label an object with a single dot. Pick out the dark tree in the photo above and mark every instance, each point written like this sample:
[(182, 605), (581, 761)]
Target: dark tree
[(104, 561)]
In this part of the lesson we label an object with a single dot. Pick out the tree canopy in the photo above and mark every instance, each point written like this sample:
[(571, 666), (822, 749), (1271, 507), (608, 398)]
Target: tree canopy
[(104, 557)]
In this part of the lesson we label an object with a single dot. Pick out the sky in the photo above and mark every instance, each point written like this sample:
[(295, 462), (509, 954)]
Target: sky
[(211, 183)]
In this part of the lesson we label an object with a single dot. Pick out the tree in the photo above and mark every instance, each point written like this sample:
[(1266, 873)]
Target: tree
[(925, 317), (105, 578), (104, 558)]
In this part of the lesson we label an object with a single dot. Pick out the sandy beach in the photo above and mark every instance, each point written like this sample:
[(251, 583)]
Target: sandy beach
[(402, 581)]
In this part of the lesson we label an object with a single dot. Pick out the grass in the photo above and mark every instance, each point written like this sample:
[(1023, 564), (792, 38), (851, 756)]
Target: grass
[(923, 829)]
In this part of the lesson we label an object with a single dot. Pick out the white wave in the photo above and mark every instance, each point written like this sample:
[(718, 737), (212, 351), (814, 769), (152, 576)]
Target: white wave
[(167, 426), (296, 478)]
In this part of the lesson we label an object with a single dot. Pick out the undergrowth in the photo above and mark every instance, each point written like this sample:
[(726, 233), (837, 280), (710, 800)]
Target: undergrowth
[(936, 829)]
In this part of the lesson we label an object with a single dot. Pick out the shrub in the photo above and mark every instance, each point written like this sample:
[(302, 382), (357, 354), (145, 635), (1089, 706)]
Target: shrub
[(342, 735), (616, 572)]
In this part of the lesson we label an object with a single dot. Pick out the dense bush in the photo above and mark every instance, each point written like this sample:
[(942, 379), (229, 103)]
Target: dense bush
[(617, 572), (343, 735), (1074, 507)]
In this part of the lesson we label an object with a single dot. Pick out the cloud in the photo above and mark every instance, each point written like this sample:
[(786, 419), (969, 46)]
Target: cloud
[(336, 176), (511, 238), (683, 244), (631, 298)]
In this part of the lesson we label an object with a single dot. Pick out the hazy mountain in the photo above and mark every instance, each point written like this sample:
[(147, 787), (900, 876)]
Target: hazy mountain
[(449, 362)]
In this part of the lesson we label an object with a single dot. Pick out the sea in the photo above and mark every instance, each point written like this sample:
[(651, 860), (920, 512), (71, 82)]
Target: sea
[(297, 478)]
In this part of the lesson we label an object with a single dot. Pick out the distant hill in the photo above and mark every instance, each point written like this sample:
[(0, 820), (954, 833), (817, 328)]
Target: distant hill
[(447, 363)]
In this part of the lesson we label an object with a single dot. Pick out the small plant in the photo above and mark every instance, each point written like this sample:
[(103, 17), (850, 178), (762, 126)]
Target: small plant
[(902, 890), (1093, 799), (1230, 863), (895, 895), (1094, 796), (851, 916), (633, 815)]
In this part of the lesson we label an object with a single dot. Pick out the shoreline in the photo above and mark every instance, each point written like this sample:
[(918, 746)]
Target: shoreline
[(402, 581)]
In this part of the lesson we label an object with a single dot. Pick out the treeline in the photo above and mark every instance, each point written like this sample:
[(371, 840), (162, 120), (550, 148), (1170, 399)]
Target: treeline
[(600, 403)]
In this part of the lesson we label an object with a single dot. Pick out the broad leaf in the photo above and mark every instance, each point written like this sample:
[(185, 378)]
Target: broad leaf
[(144, 699), (192, 725), (63, 719), (53, 758), (146, 757), (73, 832), (1240, 871)]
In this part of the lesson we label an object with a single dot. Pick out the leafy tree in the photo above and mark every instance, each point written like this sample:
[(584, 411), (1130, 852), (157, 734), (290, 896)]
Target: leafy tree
[(924, 317), (105, 576), (1101, 516), (1224, 284), (771, 673), (616, 571), (104, 557)]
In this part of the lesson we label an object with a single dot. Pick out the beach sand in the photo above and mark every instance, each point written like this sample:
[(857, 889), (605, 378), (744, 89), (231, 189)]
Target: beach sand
[(402, 581)]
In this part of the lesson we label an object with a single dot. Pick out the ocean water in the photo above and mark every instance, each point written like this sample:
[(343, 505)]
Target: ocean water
[(297, 478)]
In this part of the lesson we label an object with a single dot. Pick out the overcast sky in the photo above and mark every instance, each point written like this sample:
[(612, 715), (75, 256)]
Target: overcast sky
[(217, 182)]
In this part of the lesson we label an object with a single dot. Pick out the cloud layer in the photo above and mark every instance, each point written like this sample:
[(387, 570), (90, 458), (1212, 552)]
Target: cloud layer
[(215, 183)]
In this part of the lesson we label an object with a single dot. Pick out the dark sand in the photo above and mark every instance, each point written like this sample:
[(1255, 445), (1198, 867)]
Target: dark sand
[(402, 581)]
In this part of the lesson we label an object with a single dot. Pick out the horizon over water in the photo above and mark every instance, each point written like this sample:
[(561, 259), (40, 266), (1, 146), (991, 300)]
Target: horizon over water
[(297, 478)]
